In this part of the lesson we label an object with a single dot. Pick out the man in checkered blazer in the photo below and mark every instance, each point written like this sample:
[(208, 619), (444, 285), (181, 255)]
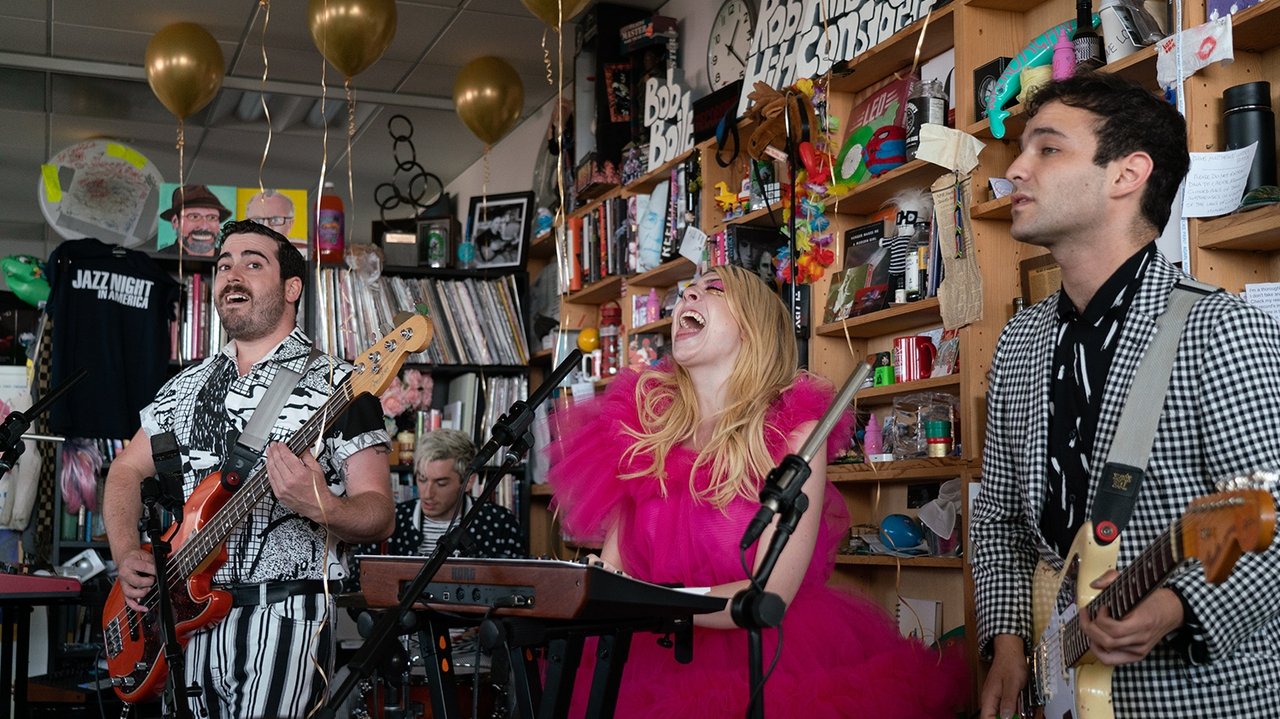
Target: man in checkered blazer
[(1101, 161)]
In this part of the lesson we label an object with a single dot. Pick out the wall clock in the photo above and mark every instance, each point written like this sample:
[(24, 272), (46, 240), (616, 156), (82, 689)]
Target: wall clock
[(729, 42)]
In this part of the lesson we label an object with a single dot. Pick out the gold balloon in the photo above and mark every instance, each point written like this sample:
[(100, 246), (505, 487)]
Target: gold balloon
[(488, 96), (184, 67), (552, 11), (352, 34)]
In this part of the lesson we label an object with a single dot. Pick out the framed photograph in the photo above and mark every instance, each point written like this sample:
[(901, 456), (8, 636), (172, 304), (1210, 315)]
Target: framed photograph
[(499, 227)]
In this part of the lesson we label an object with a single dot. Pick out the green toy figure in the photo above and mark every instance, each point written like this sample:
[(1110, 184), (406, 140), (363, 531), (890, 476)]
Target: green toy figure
[(27, 279)]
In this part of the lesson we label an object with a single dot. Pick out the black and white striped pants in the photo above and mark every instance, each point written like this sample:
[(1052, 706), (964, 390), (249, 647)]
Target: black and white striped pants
[(263, 661)]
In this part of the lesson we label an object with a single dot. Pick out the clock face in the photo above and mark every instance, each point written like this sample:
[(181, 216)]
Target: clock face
[(729, 42)]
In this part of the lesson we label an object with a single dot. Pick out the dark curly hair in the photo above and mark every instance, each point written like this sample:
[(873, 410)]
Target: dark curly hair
[(291, 262), (1130, 119)]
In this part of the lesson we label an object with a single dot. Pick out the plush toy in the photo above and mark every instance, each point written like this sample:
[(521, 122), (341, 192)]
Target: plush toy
[(1039, 52), (26, 277), (886, 150), (815, 163), (725, 199)]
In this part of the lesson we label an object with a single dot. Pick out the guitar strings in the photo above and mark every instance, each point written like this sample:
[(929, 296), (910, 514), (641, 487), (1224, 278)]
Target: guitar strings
[(181, 562)]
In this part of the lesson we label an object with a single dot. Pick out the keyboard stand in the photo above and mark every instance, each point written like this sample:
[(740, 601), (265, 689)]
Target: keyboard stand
[(515, 638)]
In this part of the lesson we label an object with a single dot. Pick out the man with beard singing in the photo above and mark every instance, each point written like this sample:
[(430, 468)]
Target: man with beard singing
[(279, 557)]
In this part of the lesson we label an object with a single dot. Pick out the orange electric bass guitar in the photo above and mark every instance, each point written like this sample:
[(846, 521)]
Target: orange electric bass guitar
[(134, 641)]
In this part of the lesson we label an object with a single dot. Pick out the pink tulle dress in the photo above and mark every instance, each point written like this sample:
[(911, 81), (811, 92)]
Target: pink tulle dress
[(842, 655)]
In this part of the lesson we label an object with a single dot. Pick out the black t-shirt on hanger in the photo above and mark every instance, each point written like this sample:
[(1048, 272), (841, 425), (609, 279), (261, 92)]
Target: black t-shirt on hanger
[(111, 309)]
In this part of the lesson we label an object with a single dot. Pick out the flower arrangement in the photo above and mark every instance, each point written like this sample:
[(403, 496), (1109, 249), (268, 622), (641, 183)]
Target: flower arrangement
[(410, 391)]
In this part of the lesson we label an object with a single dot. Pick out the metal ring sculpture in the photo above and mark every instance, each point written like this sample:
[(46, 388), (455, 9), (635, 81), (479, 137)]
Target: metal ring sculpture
[(421, 190)]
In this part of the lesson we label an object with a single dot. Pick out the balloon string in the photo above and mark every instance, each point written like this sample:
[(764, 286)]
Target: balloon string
[(546, 60), (558, 119), (350, 220), (182, 194), (313, 242), (262, 96)]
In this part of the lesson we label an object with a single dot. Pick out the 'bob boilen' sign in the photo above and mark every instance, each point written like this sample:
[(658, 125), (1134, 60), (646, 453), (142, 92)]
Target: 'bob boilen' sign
[(790, 42)]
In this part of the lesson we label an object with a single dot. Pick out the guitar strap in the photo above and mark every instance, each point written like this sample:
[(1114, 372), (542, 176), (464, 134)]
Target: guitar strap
[(1123, 473), (253, 438)]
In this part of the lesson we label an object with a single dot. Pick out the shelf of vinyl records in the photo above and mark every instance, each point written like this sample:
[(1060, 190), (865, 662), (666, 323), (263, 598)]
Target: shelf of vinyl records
[(477, 321)]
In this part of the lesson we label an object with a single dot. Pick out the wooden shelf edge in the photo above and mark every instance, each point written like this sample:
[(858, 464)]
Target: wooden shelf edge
[(773, 212), (911, 314), (896, 52), (882, 560), (543, 246), (1254, 28), (540, 490), (596, 201), (610, 288), (664, 275), (663, 325), (650, 179), (886, 393), (869, 196), (903, 470), (1257, 229), (1000, 208)]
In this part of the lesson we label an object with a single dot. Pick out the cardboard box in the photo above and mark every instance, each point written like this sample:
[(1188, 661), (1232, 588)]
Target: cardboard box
[(649, 31)]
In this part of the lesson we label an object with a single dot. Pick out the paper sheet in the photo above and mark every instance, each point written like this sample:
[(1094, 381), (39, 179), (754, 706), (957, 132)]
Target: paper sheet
[(955, 150), (1215, 182)]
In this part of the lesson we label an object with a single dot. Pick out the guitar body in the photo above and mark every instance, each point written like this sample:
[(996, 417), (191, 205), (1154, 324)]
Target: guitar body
[(1066, 679), (135, 642), (1085, 689)]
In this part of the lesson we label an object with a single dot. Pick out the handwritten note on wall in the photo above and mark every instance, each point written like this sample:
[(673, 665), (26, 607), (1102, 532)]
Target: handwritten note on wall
[(1215, 182)]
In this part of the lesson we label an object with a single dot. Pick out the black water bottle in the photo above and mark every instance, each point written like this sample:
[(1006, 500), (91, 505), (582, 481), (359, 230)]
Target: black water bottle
[(1248, 118)]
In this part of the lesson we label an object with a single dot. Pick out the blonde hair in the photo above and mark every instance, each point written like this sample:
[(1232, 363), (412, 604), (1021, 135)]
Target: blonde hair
[(737, 451)]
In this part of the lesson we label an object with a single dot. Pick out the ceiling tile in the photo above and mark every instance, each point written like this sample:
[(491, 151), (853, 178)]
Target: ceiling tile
[(24, 9), (22, 35)]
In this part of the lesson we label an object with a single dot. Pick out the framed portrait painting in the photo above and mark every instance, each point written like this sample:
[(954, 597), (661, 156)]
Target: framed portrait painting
[(500, 229)]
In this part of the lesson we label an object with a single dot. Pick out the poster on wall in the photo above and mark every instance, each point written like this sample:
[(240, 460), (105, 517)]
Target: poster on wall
[(797, 38), (102, 189), (284, 211), (191, 217)]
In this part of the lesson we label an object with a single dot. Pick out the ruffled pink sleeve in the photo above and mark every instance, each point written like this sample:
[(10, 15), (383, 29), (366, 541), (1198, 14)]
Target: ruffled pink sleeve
[(584, 459)]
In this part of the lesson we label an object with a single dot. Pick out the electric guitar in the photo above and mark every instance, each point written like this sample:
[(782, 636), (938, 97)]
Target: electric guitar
[(1064, 676), (134, 641)]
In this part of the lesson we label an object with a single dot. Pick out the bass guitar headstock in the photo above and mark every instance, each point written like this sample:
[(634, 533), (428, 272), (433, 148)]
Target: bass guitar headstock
[(378, 365)]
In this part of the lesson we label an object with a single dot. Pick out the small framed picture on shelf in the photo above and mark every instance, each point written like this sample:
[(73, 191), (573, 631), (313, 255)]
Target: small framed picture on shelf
[(870, 299), (617, 79), (499, 229), (1040, 278)]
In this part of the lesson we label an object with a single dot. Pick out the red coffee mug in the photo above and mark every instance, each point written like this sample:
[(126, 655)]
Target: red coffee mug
[(913, 357)]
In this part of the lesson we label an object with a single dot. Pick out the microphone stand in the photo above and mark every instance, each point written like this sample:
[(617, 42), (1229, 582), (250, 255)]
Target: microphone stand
[(17, 423), (754, 608), (153, 494), (512, 431)]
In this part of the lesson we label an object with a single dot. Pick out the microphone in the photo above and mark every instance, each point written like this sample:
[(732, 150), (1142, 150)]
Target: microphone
[(785, 482), (515, 423), (17, 423)]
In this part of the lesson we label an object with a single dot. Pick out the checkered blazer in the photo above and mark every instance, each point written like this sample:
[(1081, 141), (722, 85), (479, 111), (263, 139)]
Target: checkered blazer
[(1221, 417)]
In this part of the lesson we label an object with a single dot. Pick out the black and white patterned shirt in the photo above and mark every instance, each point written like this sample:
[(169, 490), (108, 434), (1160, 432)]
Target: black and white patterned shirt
[(1081, 360), (207, 406), (494, 534), (1214, 425)]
